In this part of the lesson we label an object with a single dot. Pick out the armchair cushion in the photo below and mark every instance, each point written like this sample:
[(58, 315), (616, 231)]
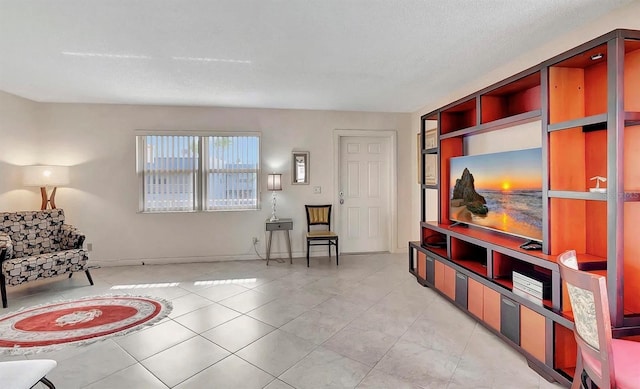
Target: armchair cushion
[(20, 270)]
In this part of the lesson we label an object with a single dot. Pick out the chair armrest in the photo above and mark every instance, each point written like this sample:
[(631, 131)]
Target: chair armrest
[(6, 245), (71, 238)]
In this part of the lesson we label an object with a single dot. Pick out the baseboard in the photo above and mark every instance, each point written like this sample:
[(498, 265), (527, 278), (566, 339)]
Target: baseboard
[(194, 259), (302, 255)]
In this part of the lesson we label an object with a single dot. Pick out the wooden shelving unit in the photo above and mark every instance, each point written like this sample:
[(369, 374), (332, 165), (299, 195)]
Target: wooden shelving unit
[(588, 103)]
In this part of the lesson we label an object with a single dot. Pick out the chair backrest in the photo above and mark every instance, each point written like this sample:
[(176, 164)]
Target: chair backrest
[(33, 232), (590, 305), (318, 215)]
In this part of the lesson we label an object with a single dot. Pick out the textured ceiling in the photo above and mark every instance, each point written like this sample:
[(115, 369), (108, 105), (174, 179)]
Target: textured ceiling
[(363, 55)]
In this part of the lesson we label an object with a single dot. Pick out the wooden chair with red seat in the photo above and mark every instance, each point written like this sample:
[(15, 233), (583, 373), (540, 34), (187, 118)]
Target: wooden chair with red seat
[(608, 362)]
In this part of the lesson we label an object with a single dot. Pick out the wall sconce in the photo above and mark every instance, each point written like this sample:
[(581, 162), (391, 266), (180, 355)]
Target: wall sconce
[(274, 183), (44, 177)]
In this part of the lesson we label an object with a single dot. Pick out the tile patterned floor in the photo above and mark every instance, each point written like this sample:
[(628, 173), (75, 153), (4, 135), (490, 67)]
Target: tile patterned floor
[(241, 324)]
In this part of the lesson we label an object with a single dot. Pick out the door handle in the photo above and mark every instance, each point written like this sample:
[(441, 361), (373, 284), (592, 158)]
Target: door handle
[(341, 195)]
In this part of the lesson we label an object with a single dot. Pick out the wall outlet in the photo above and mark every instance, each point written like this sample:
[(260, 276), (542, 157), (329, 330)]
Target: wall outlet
[(255, 240), (89, 246)]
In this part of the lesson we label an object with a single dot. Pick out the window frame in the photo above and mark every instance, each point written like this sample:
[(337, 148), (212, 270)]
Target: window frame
[(201, 184)]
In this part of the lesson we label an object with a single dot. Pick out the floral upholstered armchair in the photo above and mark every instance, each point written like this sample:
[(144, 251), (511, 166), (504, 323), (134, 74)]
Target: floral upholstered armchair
[(37, 244)]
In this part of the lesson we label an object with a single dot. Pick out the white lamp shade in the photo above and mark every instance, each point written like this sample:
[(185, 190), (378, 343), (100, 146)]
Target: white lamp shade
[(274, 182), (43, 176)]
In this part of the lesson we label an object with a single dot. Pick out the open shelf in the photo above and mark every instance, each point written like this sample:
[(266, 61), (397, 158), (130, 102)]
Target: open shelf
[(631, 81), (575, 158), (578, 86), (434, 241), (591, 263), (515, 98), (458, 117), (469, 256), (501, 242), (566, 350), (510, 121), (504, 267), (579, 225)]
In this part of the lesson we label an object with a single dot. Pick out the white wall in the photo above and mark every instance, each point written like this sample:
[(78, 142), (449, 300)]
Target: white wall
[(18, 146), (98, 142), (627, 17)]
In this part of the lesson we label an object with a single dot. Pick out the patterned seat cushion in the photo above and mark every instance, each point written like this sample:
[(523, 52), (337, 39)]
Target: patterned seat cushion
[(19, 270)]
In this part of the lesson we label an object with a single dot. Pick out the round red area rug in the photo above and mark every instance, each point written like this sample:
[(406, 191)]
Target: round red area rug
[(51, 326)]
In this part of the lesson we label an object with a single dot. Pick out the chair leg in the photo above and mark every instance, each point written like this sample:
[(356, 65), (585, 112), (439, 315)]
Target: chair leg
[(329, 244), (70, 274), (308, 246), (577, 377), (584, 378), (47, 383), (88, 276), (3, 290), (337, 255)]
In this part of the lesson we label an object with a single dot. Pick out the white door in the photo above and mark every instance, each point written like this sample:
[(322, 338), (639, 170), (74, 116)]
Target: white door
[(364, 184)]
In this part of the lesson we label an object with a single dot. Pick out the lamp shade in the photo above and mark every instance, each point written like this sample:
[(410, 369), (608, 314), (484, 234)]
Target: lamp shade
[(44, 176), (274, 181)]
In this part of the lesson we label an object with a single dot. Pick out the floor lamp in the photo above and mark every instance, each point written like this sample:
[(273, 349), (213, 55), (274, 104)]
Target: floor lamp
[(46, 177), (274, 183)]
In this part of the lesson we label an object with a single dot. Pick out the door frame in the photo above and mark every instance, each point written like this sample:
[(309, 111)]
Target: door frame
[(392, 153)]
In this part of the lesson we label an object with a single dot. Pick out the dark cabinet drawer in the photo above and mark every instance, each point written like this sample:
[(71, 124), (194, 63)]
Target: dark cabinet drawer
[(461, 290), (510, 319), (431, 270)]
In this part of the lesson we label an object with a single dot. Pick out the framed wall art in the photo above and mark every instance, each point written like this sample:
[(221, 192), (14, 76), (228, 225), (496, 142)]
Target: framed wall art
[(300, 168), (431, 139), (431, 169)]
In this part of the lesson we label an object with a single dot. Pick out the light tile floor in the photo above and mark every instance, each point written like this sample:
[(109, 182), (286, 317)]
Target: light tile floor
[(364, 324)]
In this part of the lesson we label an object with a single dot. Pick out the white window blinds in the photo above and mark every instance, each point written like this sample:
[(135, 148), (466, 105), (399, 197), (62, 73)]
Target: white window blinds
[(180, 173), (231, 169)]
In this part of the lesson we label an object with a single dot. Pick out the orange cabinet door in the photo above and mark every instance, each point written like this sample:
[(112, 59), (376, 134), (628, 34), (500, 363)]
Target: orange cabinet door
[(440, 275), (450, 282), (533, 333), (474, 298), (422, 265), (491, 308)]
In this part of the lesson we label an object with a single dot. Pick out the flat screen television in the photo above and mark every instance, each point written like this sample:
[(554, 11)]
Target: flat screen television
[(499, 191)]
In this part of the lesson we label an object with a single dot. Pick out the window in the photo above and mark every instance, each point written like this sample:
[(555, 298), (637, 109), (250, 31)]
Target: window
[(181, 173)]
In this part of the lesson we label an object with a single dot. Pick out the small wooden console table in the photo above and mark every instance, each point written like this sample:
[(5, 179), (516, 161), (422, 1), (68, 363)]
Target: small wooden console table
[(285, 225)]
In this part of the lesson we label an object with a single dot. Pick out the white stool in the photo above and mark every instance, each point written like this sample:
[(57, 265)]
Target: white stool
[(25, 374)]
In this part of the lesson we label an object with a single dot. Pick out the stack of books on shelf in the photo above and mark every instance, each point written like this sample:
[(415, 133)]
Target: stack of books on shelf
[(533, 286)]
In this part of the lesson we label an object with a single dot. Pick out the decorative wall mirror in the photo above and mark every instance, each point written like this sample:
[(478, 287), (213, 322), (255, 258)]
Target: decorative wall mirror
[(300, 168)]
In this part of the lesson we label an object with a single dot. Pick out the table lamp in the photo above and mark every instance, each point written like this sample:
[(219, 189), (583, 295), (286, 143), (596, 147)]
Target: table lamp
[(46, 177), (274, 183)]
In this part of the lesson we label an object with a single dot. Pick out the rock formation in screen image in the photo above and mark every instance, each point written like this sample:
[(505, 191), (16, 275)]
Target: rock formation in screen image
[(464, 194)]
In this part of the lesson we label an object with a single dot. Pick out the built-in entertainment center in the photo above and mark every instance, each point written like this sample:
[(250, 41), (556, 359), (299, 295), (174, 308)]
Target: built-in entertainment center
[(504, 216)]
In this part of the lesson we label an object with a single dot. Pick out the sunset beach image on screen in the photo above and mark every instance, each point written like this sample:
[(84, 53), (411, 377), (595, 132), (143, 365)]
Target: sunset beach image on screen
[(499, 191)]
